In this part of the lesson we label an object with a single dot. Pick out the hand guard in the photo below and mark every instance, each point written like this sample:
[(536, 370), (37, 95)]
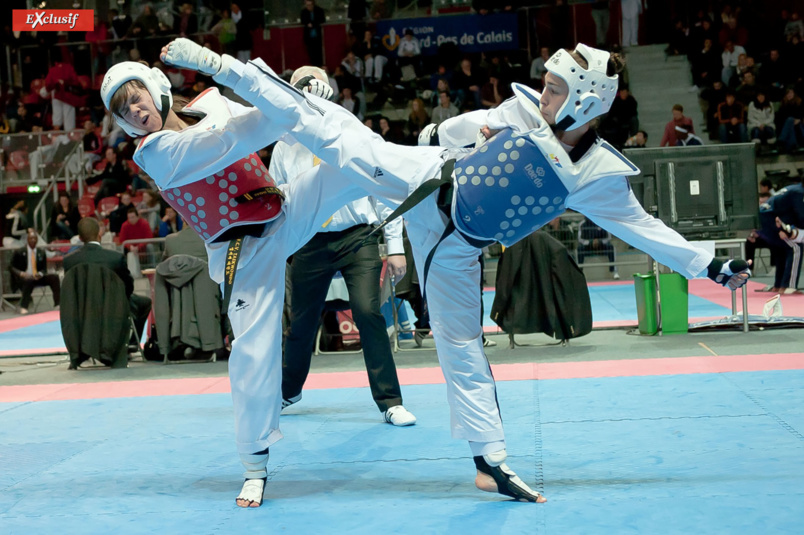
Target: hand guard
[(790, 230), (729, 274), (314, 86), (187, 54), (428, 137)]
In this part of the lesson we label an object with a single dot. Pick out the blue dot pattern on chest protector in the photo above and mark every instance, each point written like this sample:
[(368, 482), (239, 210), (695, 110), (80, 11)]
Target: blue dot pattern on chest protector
[(506, 189)]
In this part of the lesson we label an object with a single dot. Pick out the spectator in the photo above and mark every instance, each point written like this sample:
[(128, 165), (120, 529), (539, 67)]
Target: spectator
[(93, 144), (244, 41), (594, 241), (600, 14), (350, 102), (685, 139), (773, 75), (374, 58), (149, 209), (24, 122), (226, 31), (27, 273), (631, 9), (63, 218), (409, 55), (186, 24), (794, 28), (468, 81), (171, 223), (136, 228), (747, 90), (353, 64), (111, 133), (387, 132), (732, 31), (16, 226), (679, 119), (490, 93), (443, 86), (380, 9), (312, 17), (115, 177), (700, 33), (766, 187), (761, 123), (119, 215), (731, 115), (445, 109), (622, 121), (89, 230), (637, 141), (538, 69), (706, 66), (417, 119), (63, 84), (730, 56), (712, 96), (789, 122), (678, 39)]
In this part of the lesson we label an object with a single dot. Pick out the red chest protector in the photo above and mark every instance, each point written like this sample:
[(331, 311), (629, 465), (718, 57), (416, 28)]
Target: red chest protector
[(234, 202)]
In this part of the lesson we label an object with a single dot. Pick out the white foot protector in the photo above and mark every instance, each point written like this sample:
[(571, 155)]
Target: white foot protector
[(252, 492)]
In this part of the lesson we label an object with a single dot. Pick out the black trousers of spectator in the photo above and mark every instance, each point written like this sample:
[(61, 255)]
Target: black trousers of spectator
[(778, 258), (27, 286), (140, 307), (315, 49), (312, 270), (591, 250)]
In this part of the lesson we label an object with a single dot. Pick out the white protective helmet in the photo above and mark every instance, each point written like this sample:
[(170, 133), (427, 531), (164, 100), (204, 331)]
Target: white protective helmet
[(154, 80), (591, 90)]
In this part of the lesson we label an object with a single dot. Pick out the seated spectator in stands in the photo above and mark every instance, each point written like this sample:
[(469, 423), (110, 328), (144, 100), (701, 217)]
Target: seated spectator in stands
[(679, 119), (468, 80), (685, 139), (442, 73), (730, 56), (417, 120), (380, 9), (795, 49), (761, 125), (187, 22), (594, 241), (678, 39), (63, 218), (712, 96), (344, 79), (773, 74), (374, 57), (789, 122), (766, 187), (622, 121), (171, 223), (731, 115), (29, 270), (226, 30), (490, 96), (706, 66), (16, 225), (115, 177), (119, 215), (538, 69), (350, 102), (111, 133), (734, 32), (25, 120), (89, 230), (443, 85), (794, 28), (149, 209), (747, 90), (445, 109), (637, 141), (410, 52), (353, 65), (702, 31), (388, 131), (136, 228), (93, 144)]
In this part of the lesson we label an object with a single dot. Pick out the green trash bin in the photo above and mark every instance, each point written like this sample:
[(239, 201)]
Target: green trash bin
[(647, 305), (674, 300)]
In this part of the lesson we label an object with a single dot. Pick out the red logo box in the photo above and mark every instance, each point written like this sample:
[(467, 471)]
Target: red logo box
[(53, 20)]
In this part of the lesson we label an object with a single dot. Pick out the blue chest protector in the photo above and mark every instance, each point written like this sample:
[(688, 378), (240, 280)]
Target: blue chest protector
[(506, 189)]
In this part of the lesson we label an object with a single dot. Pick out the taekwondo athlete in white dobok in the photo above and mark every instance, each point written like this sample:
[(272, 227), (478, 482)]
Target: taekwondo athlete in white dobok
[(203, 160), (511, 185)]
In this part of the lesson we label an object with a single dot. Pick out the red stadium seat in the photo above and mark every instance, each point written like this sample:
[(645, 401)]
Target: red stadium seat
[(86, 206), (92, 190), (107, 204)]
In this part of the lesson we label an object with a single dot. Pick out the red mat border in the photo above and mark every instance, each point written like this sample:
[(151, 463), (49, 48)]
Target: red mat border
[(414, 376)]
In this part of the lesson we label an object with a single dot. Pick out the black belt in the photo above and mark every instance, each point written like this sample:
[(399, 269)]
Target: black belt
[(230, 270)]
